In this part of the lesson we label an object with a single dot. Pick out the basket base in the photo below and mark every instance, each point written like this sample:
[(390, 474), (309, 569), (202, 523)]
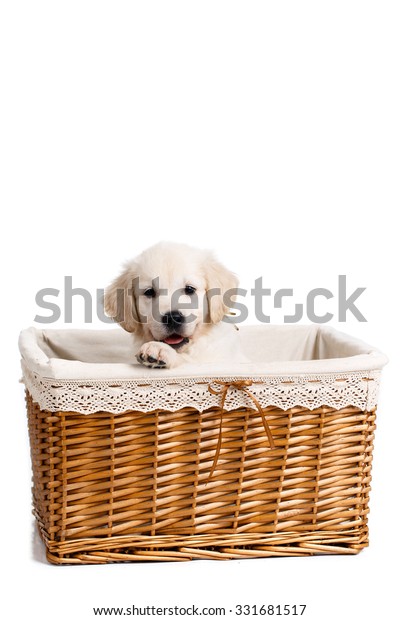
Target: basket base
[(208, 547)]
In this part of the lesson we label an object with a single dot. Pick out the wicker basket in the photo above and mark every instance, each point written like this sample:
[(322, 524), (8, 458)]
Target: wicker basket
[(254, 465)]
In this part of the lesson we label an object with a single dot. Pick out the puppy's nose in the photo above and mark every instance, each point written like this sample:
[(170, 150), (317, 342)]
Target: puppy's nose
[(173, 319)]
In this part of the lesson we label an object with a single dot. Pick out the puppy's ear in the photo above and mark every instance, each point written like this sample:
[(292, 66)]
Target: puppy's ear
[(120, 300), (219, 281)]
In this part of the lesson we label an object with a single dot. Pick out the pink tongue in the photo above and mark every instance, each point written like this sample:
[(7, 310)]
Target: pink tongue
[(173, 339)]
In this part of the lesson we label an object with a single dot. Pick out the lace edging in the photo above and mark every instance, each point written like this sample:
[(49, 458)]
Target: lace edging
[(358, 389)]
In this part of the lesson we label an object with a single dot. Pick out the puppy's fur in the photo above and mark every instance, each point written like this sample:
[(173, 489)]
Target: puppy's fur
[(171, 299)]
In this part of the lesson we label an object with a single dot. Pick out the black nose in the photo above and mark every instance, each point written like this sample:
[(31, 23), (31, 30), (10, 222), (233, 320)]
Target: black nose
[(173, 319)]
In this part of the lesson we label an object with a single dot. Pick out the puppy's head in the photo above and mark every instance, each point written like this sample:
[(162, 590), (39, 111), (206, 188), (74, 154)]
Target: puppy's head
[(170, 293)]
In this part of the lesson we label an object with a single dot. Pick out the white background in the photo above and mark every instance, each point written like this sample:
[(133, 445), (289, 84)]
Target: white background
[(267, 131)]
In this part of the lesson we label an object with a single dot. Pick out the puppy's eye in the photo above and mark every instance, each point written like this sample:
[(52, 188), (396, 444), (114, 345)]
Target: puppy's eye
[(190, 290), (150, 292)]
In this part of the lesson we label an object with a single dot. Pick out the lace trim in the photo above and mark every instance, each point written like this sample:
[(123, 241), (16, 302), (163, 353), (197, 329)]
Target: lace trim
[(358, 389)]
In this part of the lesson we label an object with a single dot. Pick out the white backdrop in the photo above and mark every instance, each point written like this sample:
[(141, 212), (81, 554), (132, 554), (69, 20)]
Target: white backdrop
[(268, 132)]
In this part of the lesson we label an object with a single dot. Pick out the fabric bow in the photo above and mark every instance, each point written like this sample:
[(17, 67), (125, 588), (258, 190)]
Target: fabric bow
[(238, 385)]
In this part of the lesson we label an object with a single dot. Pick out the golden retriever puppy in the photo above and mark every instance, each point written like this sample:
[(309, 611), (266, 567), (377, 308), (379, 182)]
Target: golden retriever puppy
[(173, 298)]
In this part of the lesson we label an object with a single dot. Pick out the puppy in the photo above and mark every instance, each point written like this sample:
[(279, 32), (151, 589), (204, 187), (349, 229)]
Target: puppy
[(173, 299)]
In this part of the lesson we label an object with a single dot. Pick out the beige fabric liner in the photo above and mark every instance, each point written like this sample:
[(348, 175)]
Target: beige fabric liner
[(91, 370), (273, 351)]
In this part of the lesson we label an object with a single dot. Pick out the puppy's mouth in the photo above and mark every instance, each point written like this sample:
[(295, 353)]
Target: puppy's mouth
[(176, 341)]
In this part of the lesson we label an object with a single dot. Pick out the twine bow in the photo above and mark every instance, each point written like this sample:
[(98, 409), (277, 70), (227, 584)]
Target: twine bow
[(242, 386)]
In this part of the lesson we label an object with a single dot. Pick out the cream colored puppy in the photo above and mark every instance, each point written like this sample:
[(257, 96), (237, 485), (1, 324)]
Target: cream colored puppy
[(173, 298)]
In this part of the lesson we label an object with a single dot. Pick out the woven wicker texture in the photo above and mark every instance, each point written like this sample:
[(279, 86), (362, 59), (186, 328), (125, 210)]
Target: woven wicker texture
[(136, 486)]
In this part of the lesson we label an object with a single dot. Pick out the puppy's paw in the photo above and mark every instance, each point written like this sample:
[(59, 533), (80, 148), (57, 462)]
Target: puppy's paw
[(156, 355)]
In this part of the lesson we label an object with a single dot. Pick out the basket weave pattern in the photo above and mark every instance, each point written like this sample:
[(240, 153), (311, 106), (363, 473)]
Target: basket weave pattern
[(136, 485)]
